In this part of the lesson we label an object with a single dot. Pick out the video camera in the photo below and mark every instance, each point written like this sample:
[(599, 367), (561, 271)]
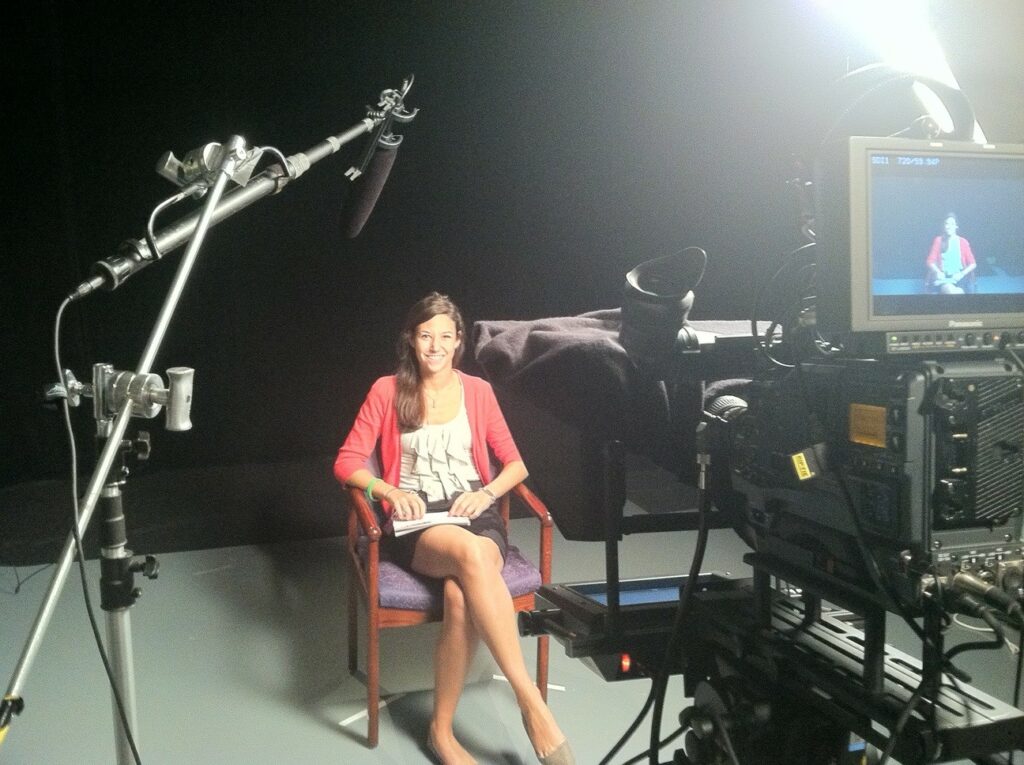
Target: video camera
[(873, 460), (908, 461)]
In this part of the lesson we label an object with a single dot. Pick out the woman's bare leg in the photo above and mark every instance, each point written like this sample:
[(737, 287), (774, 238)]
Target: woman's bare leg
[(452, 656), (475, 562)]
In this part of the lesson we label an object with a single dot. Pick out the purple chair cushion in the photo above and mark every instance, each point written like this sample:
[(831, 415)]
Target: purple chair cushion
[(399, 588)]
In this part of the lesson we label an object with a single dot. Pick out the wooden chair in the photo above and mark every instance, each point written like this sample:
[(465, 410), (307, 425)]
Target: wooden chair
[(395, 597)]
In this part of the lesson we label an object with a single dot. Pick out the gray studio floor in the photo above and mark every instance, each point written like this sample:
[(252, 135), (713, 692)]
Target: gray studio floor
[(240, 657)]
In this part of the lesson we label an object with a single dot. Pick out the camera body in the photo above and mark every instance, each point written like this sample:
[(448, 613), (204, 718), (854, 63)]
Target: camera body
[(917, 465)]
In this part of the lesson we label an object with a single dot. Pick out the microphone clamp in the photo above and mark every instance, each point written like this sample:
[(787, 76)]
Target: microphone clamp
[(201, 166), (110, 388), (390, 108)]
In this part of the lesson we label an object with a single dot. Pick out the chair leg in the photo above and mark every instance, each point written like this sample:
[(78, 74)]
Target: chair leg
[(353, 625), (373, 678), (542, 666)]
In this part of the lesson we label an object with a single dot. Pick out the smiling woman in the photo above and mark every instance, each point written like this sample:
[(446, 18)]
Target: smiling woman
[(429, 349), (437, 429)]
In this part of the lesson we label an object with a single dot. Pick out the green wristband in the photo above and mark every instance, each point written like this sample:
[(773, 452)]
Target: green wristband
[(369, 488)]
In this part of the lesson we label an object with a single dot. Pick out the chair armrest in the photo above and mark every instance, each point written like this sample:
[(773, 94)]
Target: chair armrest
[(363, 514), (540, 510), (534, 503)]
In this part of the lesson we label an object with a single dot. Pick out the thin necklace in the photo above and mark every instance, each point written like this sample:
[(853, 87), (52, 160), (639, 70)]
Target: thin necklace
[(437, 393)]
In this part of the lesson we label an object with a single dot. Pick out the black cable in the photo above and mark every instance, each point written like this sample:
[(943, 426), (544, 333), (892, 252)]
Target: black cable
[(80, 552), (998, 637), (806, 621), (1017, 676), (631, 729), (661, 745), (685, 600), (761, 290), (723, 733), (901, 722), (787, 319), (1020, 668), (988, 617), (657, 686), (19, 581)]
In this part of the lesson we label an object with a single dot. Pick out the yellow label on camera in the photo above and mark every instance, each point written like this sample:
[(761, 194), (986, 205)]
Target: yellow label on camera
[(867, 425), (803, 470)]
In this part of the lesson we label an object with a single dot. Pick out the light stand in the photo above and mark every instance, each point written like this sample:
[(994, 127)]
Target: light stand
[(117, 566), (120, 395), (136, 394)]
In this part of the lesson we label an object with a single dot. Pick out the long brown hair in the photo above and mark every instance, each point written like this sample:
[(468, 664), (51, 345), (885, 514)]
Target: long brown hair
[(945, 236), (408, 402)]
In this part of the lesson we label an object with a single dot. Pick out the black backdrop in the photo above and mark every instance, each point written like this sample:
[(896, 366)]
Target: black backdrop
[(558, 145)]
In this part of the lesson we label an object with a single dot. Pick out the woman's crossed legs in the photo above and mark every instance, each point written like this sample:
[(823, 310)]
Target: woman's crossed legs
[(477, 604)]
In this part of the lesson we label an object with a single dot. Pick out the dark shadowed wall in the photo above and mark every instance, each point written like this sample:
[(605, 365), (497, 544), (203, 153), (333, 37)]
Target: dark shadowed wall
[(558, 145)]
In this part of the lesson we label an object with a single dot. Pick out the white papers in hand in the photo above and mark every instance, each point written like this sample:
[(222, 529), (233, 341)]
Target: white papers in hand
[(428, 520)]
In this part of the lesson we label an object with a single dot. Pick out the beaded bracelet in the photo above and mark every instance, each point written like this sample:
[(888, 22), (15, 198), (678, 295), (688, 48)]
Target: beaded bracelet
[(489, 493)]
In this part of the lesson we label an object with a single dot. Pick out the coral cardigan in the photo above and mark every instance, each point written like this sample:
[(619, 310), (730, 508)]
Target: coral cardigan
[(935, 253), (378, 419)]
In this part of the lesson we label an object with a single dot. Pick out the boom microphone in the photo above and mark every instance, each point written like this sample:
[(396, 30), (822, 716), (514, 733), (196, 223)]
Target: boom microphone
[(366, 189)]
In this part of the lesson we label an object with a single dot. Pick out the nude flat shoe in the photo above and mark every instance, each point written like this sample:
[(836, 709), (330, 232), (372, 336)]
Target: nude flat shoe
[(561, 756)]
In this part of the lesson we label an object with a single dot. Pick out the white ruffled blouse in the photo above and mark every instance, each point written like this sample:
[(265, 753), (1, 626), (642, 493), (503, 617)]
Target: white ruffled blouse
[(438, 458)]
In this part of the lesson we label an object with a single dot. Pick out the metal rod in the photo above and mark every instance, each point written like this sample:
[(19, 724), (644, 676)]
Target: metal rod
[(268, 182)]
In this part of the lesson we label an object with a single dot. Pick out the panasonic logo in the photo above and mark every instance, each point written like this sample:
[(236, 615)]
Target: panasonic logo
[(964, 324)]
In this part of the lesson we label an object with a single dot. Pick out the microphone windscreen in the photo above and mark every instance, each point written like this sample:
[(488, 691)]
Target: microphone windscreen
[(365, 191)]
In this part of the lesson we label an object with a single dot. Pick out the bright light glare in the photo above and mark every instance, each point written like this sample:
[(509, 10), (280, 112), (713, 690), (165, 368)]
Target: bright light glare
[(899, 31)]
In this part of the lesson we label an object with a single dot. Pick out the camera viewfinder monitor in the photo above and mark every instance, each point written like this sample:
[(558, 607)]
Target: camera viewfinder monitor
[(922, 245)]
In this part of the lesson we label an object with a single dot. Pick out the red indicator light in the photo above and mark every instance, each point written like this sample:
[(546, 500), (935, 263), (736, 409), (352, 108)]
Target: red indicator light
[(625, 663)]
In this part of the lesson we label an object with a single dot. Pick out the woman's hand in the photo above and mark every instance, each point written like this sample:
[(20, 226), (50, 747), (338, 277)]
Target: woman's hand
[(406, 506), (470, 504)]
